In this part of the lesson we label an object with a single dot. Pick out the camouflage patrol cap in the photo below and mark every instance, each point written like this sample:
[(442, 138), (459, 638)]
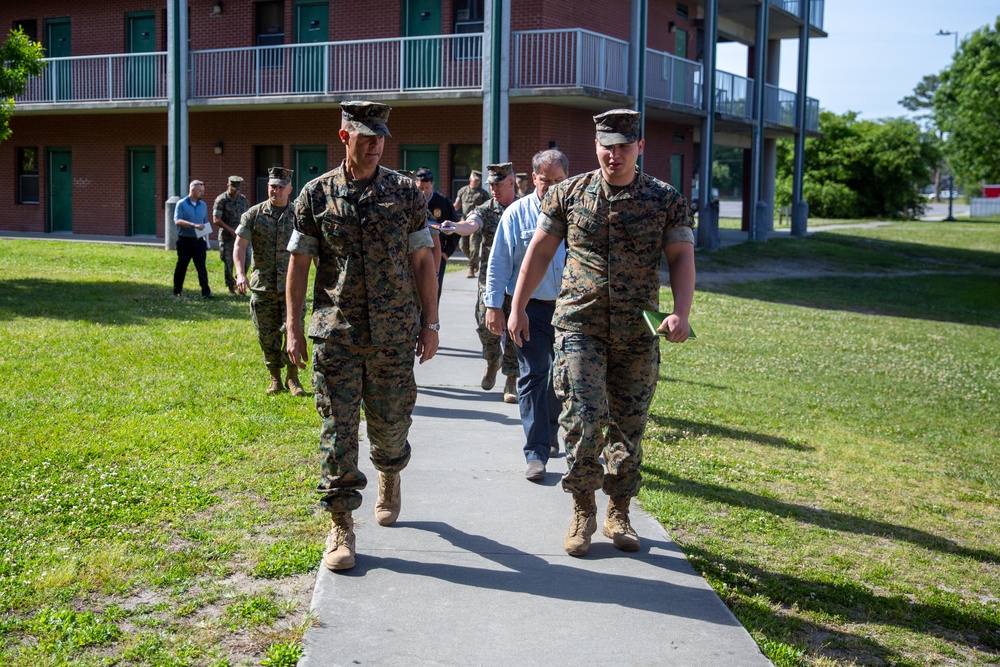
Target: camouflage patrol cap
[(521, 176), (475, 174), (618, 126), (235, 179), (368, 118), (500, 172), (279, 176)]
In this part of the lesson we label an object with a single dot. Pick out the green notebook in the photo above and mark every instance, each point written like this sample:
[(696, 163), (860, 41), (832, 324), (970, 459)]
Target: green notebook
[(654, 319)]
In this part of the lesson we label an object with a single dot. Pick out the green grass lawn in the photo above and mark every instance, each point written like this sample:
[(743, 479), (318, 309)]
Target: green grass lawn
[(825, 453)]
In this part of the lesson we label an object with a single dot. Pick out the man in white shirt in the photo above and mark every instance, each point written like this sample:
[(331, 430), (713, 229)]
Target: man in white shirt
[(535, 395)]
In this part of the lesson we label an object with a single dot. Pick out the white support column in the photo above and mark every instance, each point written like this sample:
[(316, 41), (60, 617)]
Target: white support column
[(177, 114), (496, 81)]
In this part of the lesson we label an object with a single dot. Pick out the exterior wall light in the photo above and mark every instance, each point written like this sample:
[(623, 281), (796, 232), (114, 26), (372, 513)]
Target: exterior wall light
[(217, 7)]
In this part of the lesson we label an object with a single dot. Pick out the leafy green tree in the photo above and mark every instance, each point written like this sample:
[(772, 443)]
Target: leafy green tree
[(966, 106), (922, 103), (861, 168), (20, 58)]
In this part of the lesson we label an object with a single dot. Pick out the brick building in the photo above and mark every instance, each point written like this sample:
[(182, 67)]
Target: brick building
[(97, 143)]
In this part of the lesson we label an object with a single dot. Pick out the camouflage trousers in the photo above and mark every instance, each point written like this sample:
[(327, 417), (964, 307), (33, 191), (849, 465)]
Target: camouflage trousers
[(605, 388), (226, 244), (268, 312), (345, 378), (492, 350), (470, 248)]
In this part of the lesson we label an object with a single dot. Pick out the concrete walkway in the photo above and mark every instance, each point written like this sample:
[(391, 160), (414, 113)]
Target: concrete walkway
[(474, 572)]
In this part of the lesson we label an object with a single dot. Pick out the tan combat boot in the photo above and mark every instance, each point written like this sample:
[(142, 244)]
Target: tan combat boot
[(617, 527), (490, 374), (389, 498), (275, 387), (472, 271), (510, 390), (577, 542), (340, 543), (293, 384)]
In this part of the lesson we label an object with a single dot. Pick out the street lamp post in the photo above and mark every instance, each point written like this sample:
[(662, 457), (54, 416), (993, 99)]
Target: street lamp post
[(945, 33), (951, 197)]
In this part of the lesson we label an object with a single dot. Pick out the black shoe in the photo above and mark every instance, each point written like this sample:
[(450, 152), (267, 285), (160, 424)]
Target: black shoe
[(207, 296), (177, 294)]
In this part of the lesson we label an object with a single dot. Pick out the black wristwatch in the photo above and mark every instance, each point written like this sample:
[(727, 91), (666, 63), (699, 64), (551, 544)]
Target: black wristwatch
[(433, 326)]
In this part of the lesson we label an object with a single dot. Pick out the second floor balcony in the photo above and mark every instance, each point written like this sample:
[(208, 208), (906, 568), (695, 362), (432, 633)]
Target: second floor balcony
[(573, 61)]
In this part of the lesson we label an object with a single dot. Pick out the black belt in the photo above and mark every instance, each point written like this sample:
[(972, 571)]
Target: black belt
[(544, 302)]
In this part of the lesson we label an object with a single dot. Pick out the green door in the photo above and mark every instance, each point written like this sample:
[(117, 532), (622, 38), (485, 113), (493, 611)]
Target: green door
[(140, 71), (309, 162), (141, 179), (59, 202), (680, 78), (57, 45), (415, 157), (676, 171), (311, 27), (422, 57)]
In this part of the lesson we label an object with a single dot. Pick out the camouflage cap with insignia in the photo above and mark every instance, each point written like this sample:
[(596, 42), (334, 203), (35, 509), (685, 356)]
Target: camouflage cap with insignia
[(235, 179), (279, 176), (521, 176), (618, 126), (500, 172), (368, 118), (475, 174)]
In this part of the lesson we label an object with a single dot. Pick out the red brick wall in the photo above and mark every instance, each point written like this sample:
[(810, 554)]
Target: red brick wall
[(98, 144), (99, 29), (658, 35)]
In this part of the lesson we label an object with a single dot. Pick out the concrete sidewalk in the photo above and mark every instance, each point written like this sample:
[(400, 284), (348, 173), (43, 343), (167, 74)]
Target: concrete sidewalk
[(474, 572)]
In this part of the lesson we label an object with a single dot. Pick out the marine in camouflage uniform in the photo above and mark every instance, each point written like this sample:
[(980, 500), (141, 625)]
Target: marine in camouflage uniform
[(485, 219), (367, 227), (267, 228), (615, 222), (469, 197), (227, 210)]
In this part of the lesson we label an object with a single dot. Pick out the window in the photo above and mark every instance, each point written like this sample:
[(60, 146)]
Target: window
[(265, 157), (30, 28), (468, 16), (682, 11), (27, 175), (270, 23)]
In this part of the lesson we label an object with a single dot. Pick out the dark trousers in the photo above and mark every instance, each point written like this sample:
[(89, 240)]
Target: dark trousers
[(535, 395), (189, 248)]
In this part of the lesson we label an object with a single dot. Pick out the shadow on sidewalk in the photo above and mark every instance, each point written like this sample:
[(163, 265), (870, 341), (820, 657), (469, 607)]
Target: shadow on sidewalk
[(530, 574)]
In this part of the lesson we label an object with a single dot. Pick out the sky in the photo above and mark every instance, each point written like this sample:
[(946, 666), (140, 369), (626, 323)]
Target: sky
[(876, 51)]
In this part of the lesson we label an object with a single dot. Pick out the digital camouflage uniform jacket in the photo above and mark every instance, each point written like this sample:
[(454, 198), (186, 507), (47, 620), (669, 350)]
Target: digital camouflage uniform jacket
[(614, 242), (468, 199), (364, 292), (489, 213), (268, 236), (231, 210)]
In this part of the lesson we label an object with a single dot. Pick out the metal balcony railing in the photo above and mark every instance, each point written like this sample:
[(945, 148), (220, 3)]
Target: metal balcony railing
[(812, 114), (795, 7), (673, 79), (572, 57), (733, 94), (779, 106), (401, 64), (105, 78)]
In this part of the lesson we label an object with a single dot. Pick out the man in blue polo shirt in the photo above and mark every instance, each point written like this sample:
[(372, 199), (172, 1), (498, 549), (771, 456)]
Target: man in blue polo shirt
[(191, 217), (535, 395)]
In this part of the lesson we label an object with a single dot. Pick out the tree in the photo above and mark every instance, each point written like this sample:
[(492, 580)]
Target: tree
[(966, 107), (922, 101), (861, 168), (20, 59)]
